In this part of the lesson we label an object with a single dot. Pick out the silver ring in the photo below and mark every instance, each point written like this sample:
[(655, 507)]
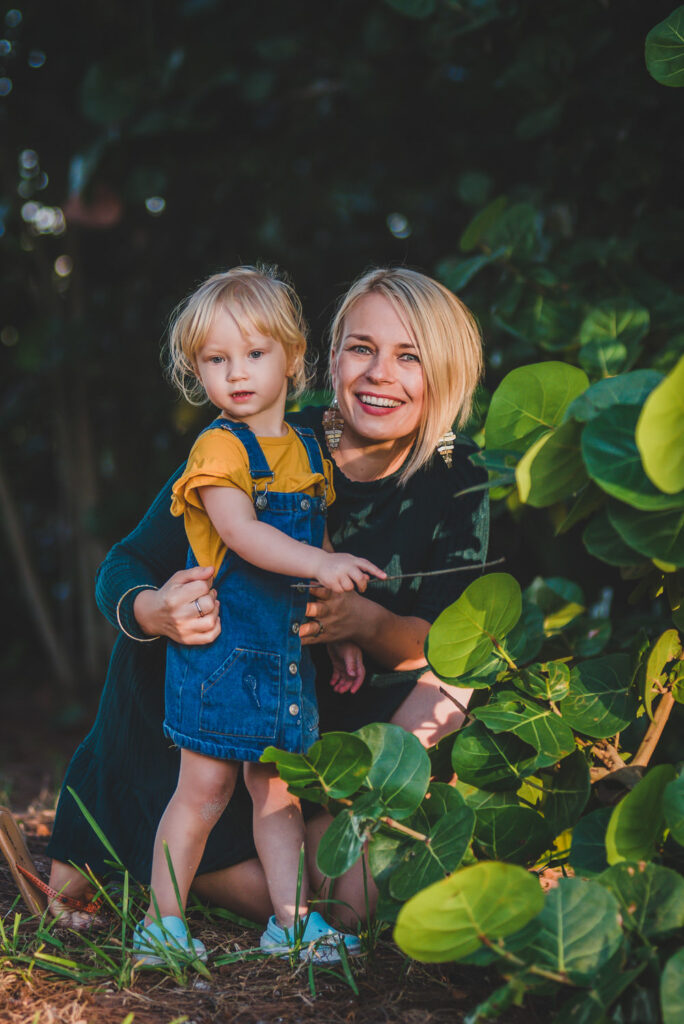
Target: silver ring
[(198, 607), (321, 627)]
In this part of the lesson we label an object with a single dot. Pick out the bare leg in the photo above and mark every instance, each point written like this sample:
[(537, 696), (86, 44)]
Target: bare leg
[(278, 836), (205, 785)]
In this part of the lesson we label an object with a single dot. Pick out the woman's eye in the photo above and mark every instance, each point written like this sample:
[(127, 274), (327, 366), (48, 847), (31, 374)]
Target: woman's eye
[(410, 357), (360, 349)]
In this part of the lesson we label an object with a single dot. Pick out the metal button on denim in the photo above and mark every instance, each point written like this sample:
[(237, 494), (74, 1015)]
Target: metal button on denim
[(295, 628), (305, 504), (292, 668), (294, 709)]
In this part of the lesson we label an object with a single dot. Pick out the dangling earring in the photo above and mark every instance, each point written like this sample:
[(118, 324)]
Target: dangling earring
[(333, 425), (445, 446)]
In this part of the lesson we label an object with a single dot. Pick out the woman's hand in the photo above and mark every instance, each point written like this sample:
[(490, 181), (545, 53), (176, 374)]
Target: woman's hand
[(185, 609), (333, 617)]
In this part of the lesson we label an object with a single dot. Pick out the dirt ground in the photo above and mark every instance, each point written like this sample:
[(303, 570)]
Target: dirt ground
[(391, 988)]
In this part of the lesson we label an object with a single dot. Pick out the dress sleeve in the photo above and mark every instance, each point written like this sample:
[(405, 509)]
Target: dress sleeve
[(146, 558), (460, 538)]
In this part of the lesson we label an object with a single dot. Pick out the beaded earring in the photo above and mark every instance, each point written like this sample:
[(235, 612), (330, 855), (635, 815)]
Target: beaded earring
[(333, 425), (445, 446)]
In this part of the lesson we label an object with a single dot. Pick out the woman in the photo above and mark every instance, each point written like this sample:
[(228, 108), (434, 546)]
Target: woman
[(405, 359)]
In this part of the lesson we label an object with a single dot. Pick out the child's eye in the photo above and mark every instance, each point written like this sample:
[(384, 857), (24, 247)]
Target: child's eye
[(256, 353), (216, 359)]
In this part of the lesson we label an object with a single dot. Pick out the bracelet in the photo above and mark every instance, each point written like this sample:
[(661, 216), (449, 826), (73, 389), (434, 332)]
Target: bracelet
[(139, 639)]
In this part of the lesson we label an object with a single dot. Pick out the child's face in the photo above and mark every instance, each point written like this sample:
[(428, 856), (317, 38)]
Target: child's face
[(244, 375)]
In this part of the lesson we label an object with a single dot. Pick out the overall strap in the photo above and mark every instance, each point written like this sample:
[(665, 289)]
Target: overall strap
[(258, 466), (313, 449)]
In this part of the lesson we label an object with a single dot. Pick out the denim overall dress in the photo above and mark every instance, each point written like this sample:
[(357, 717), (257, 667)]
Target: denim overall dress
[(254, 685)]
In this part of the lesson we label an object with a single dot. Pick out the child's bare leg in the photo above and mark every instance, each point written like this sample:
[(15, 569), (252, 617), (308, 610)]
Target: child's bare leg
[(278, 836), (205, 785)]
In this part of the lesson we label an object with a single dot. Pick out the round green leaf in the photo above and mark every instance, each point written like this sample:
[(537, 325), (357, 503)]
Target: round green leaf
[(341, 844), (465, 634), (400, 772), (456, 274), (655, 534), (672, 989), (579, 929), (425, 863), (610, 335), (447, 920), (529, 401), (664, 50), (552, 468), (673, 808), (515, 834), (651, 897), (334, 767), (599, 704), (660, 432), (486, 761), (665, 648), (638, 821), (588, 848), (602, 540), (566, 792), (547, 681), (535, 724), (612, 458), (625, 389), (542, 320)]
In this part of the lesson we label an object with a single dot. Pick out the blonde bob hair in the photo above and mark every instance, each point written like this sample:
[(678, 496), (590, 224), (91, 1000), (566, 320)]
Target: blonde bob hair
[(449, 345), (260, 300)]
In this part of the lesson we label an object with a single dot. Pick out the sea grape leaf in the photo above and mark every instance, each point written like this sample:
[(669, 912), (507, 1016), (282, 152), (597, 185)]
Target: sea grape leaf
[(656, 534), (664, 51), (672, 988), (673, 808), (589, 1006), (599, 703), (481, 222), (638, 821), (610, 334), (515, 834), (341, 844), (625, 389), (440, 799), (516, 230), (424, 863), (456, 274), (492, 762), (477, 798), (529, 401), (665, 648), (541, 319), (535, 724), (602, 540), (552, 468), (588, 849), (447, 920), (566, 793), (559, 600), (660, 432), (588, 499), (610, 452), (548, 680), (651, 897), (334, 767), (400, 769), (466, 633), (587, 636), (579, 929)]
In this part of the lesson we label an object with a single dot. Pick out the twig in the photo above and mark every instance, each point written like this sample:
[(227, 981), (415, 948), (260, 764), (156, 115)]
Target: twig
[(461, 707), (608, 754), (654, 731)]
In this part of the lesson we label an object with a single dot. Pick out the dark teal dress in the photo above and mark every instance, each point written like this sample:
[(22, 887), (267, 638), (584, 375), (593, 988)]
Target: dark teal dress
[(126, 769)]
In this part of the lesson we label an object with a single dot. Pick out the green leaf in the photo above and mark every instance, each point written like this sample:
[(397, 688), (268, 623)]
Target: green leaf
[(486, 761), (660, 433), (587, 636), (610, 335), (552, 469), (588, 848), (456, 274), (664, 51), (535, 724), (559, 600), (656, 534), (589, 1006), (602, 540), (449, 919), (588, 500), (515, 834), (626, 389), (542, 320), (579, 930), (599, 704), (465, 634), (472, 235), (516, 230), (341, 844), (334, 767), (664, 650), (400, 772), (651, 897), (672, 988), (529, 401), (548, 681), (638, 821), (673, 808), (612, 458), (424, 863), (566, 793)]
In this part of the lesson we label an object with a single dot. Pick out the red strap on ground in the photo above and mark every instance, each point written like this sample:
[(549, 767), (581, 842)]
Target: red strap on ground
[(89, 908)]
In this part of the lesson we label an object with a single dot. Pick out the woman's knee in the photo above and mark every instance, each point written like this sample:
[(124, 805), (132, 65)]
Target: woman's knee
[(432, 709)]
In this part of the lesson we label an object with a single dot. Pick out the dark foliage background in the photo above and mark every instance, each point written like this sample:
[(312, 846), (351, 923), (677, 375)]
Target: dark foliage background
[(148, 144)]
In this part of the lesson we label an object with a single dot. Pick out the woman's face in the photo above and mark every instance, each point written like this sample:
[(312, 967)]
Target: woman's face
[(378, 375)]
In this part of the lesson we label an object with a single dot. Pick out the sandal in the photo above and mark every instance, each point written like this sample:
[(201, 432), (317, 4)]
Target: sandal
[(157, 943), (319, 941), (22, 868)]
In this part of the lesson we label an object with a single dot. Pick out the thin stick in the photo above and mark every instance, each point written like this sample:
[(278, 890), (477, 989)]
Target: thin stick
[(412, 575), (654, 731), (461, 707)]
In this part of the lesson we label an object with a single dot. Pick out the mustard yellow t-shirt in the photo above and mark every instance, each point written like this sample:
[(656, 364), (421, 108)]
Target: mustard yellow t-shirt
[(218, 459)]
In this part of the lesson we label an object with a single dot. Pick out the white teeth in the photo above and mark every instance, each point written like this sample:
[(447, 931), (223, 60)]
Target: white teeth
[(390, 403)]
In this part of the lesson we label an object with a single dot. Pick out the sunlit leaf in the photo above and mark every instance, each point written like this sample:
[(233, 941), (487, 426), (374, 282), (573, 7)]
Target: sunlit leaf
[(333, 767), (535, 724), (400, 772), (660, 432), (672, 989), (529, 401), (638, 821)]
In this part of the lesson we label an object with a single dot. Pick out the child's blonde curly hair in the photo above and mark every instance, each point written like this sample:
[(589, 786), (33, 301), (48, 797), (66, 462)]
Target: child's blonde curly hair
[(260, 300)]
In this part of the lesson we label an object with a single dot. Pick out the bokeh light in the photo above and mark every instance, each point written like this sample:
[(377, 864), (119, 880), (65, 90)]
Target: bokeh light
[(398, 225), (13, 18), (155, 205), (36, 59), (63, 266), (5, 86)]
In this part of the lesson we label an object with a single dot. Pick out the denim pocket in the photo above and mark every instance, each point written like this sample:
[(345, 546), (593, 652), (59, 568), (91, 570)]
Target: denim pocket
[(242, 697)]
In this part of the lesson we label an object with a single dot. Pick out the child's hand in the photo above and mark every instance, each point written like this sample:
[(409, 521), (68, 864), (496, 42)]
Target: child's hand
[(348, 669), (340, 572)]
